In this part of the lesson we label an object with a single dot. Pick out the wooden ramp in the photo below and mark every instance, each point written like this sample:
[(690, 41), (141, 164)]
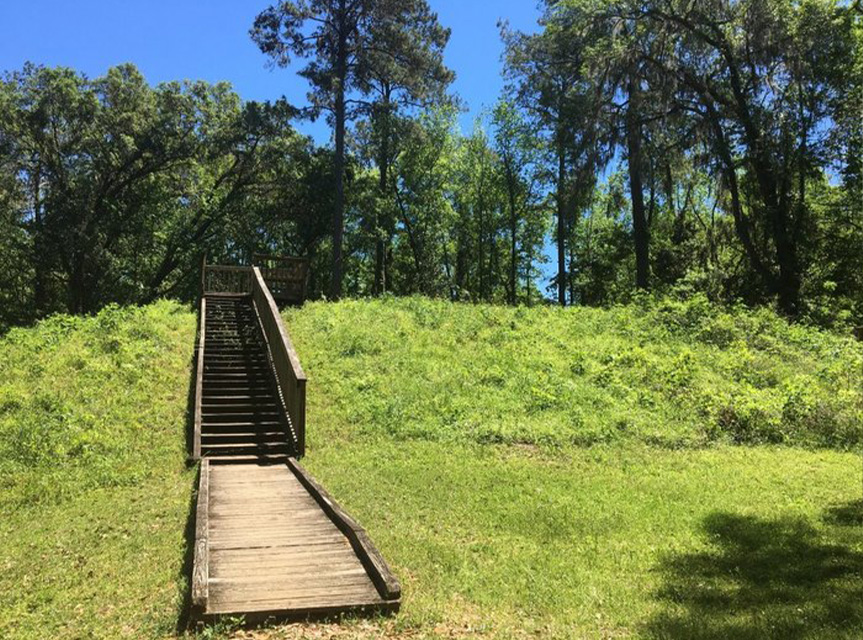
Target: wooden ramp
[(269, 540)]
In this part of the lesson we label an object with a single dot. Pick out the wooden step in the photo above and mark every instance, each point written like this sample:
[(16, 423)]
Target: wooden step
[(214, 415), (251, 448), (216, 428), (242, 355), (244, 425), (239, 399), (239, 368), (266, 405), (210, 395), (245, 416), (237, 365), (217, 390), (244, 437), (263, 374), (246, 459)]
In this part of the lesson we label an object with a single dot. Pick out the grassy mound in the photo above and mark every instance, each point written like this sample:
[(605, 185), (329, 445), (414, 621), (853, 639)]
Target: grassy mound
[(672, 374), (456, 434), (94, 494), (93, 402)]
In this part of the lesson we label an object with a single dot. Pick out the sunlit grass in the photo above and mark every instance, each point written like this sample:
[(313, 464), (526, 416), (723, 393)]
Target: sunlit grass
[(673, 375), (95, 493), (668, 472)]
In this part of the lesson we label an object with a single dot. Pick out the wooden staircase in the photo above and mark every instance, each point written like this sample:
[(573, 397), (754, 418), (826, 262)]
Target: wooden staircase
[(269, 540), (241, 420)]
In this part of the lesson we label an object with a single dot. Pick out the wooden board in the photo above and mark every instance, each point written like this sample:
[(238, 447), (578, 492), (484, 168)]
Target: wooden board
[(199, 380), (266, 547)]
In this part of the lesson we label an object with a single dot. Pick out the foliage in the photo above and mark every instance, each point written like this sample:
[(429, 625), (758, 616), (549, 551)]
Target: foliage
[(114, 191), (119, 189), (666, 372), (752, 96)]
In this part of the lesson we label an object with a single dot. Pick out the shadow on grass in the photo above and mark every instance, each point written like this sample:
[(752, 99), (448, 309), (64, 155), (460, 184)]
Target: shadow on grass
[(766, 579), (845, 515), (184, 579)]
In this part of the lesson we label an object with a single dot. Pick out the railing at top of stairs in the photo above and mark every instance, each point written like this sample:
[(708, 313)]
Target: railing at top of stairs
[(290, 377)]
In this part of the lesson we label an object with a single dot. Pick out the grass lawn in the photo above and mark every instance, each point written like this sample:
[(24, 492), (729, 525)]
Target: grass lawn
[(613, 541), (663, 472), (94, 493)]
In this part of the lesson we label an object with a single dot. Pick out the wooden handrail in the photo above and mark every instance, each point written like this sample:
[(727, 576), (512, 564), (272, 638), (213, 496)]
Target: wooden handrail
[(199, 381), (272, 258), (286, 276), (201, 557), (383, 578), (290, 377), (226, 279)]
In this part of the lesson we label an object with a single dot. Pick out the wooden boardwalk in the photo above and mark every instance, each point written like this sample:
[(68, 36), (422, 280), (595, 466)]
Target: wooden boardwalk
[(269, 540)]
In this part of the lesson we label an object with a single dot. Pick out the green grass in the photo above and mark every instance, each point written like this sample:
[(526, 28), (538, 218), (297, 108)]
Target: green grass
[(612, 541), (664, 471), (672, 375), (94, 493)]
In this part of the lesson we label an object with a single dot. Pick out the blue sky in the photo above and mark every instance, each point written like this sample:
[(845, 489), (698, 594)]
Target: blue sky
[(208, 40)]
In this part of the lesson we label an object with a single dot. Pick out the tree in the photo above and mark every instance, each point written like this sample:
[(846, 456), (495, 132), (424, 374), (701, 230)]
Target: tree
[(545, 74), (758, 81), (761, 76), (423, 185), (354, 46), (113, 191), (518, 154), (403, 69)]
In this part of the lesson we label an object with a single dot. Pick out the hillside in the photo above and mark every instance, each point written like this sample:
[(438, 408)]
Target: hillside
[(672, 374), (671, 470), (95, 493)]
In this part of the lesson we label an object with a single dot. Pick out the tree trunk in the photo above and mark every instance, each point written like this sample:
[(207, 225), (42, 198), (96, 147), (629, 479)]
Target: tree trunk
[(339, 161), (513, 232), (77, 286), (481, 246), (39, 289), (461, 260), (786, 256), (636, 190), (571, 278), (779, 218), (561, 226), (381, 244)]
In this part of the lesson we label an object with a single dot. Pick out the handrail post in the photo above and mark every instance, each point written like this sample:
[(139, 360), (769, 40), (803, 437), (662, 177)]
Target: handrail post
[(301, 421), (204, 275)]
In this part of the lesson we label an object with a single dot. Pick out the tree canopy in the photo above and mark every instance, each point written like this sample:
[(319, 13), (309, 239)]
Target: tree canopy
[(660, 146)]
